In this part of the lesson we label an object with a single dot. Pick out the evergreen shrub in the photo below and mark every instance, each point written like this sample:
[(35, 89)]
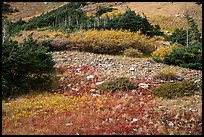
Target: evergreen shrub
[(176, 89)]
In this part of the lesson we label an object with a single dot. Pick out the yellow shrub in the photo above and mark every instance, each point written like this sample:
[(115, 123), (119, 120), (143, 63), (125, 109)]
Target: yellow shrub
[(90, 14), (111, 14), (161, 52), (110, 41)]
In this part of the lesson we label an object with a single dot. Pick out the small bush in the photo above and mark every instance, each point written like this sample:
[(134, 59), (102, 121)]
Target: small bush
[(161, 52), (176, 89), (166, 74), (121, 83), (132, 52)]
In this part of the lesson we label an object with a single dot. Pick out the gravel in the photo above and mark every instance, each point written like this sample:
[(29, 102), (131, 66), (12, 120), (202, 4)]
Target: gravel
[(117, 66)]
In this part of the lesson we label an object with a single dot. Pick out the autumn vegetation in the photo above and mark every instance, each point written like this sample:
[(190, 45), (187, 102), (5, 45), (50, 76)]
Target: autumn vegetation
[(40, 98), (110, 41)]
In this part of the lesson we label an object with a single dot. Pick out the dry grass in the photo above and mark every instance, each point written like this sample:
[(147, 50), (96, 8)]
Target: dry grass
[(28, 10), (181, 105), (165, 13), (41, 35)]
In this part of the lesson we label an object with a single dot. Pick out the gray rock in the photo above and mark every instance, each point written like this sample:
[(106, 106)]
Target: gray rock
[(171, 124), (90, 77), (143, 85), (179, 78), (132, 69), (133, 91), (92, 90), (99, 83), (95, 95)]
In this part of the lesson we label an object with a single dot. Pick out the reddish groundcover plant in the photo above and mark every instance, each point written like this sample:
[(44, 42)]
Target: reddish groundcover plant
[(124, 112)]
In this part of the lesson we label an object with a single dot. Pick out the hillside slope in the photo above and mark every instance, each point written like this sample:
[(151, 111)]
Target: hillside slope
[(28, 10), (169, 15)]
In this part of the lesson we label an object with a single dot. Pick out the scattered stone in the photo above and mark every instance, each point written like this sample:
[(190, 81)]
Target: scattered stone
[(92, 90), (95, 95), (171, 124), (179, 78), (143, 85), (90, 77), (132, 69), (151, 61), (134, 120), (69, 124), (126, 95), (178, 15), (78, 69), (99, 83), (114, 66), (75, 89), (133, 91)]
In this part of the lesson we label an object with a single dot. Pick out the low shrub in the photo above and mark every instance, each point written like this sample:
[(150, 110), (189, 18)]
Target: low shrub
[(176, 89), (121, 83), (161, 52), (166, 74)]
